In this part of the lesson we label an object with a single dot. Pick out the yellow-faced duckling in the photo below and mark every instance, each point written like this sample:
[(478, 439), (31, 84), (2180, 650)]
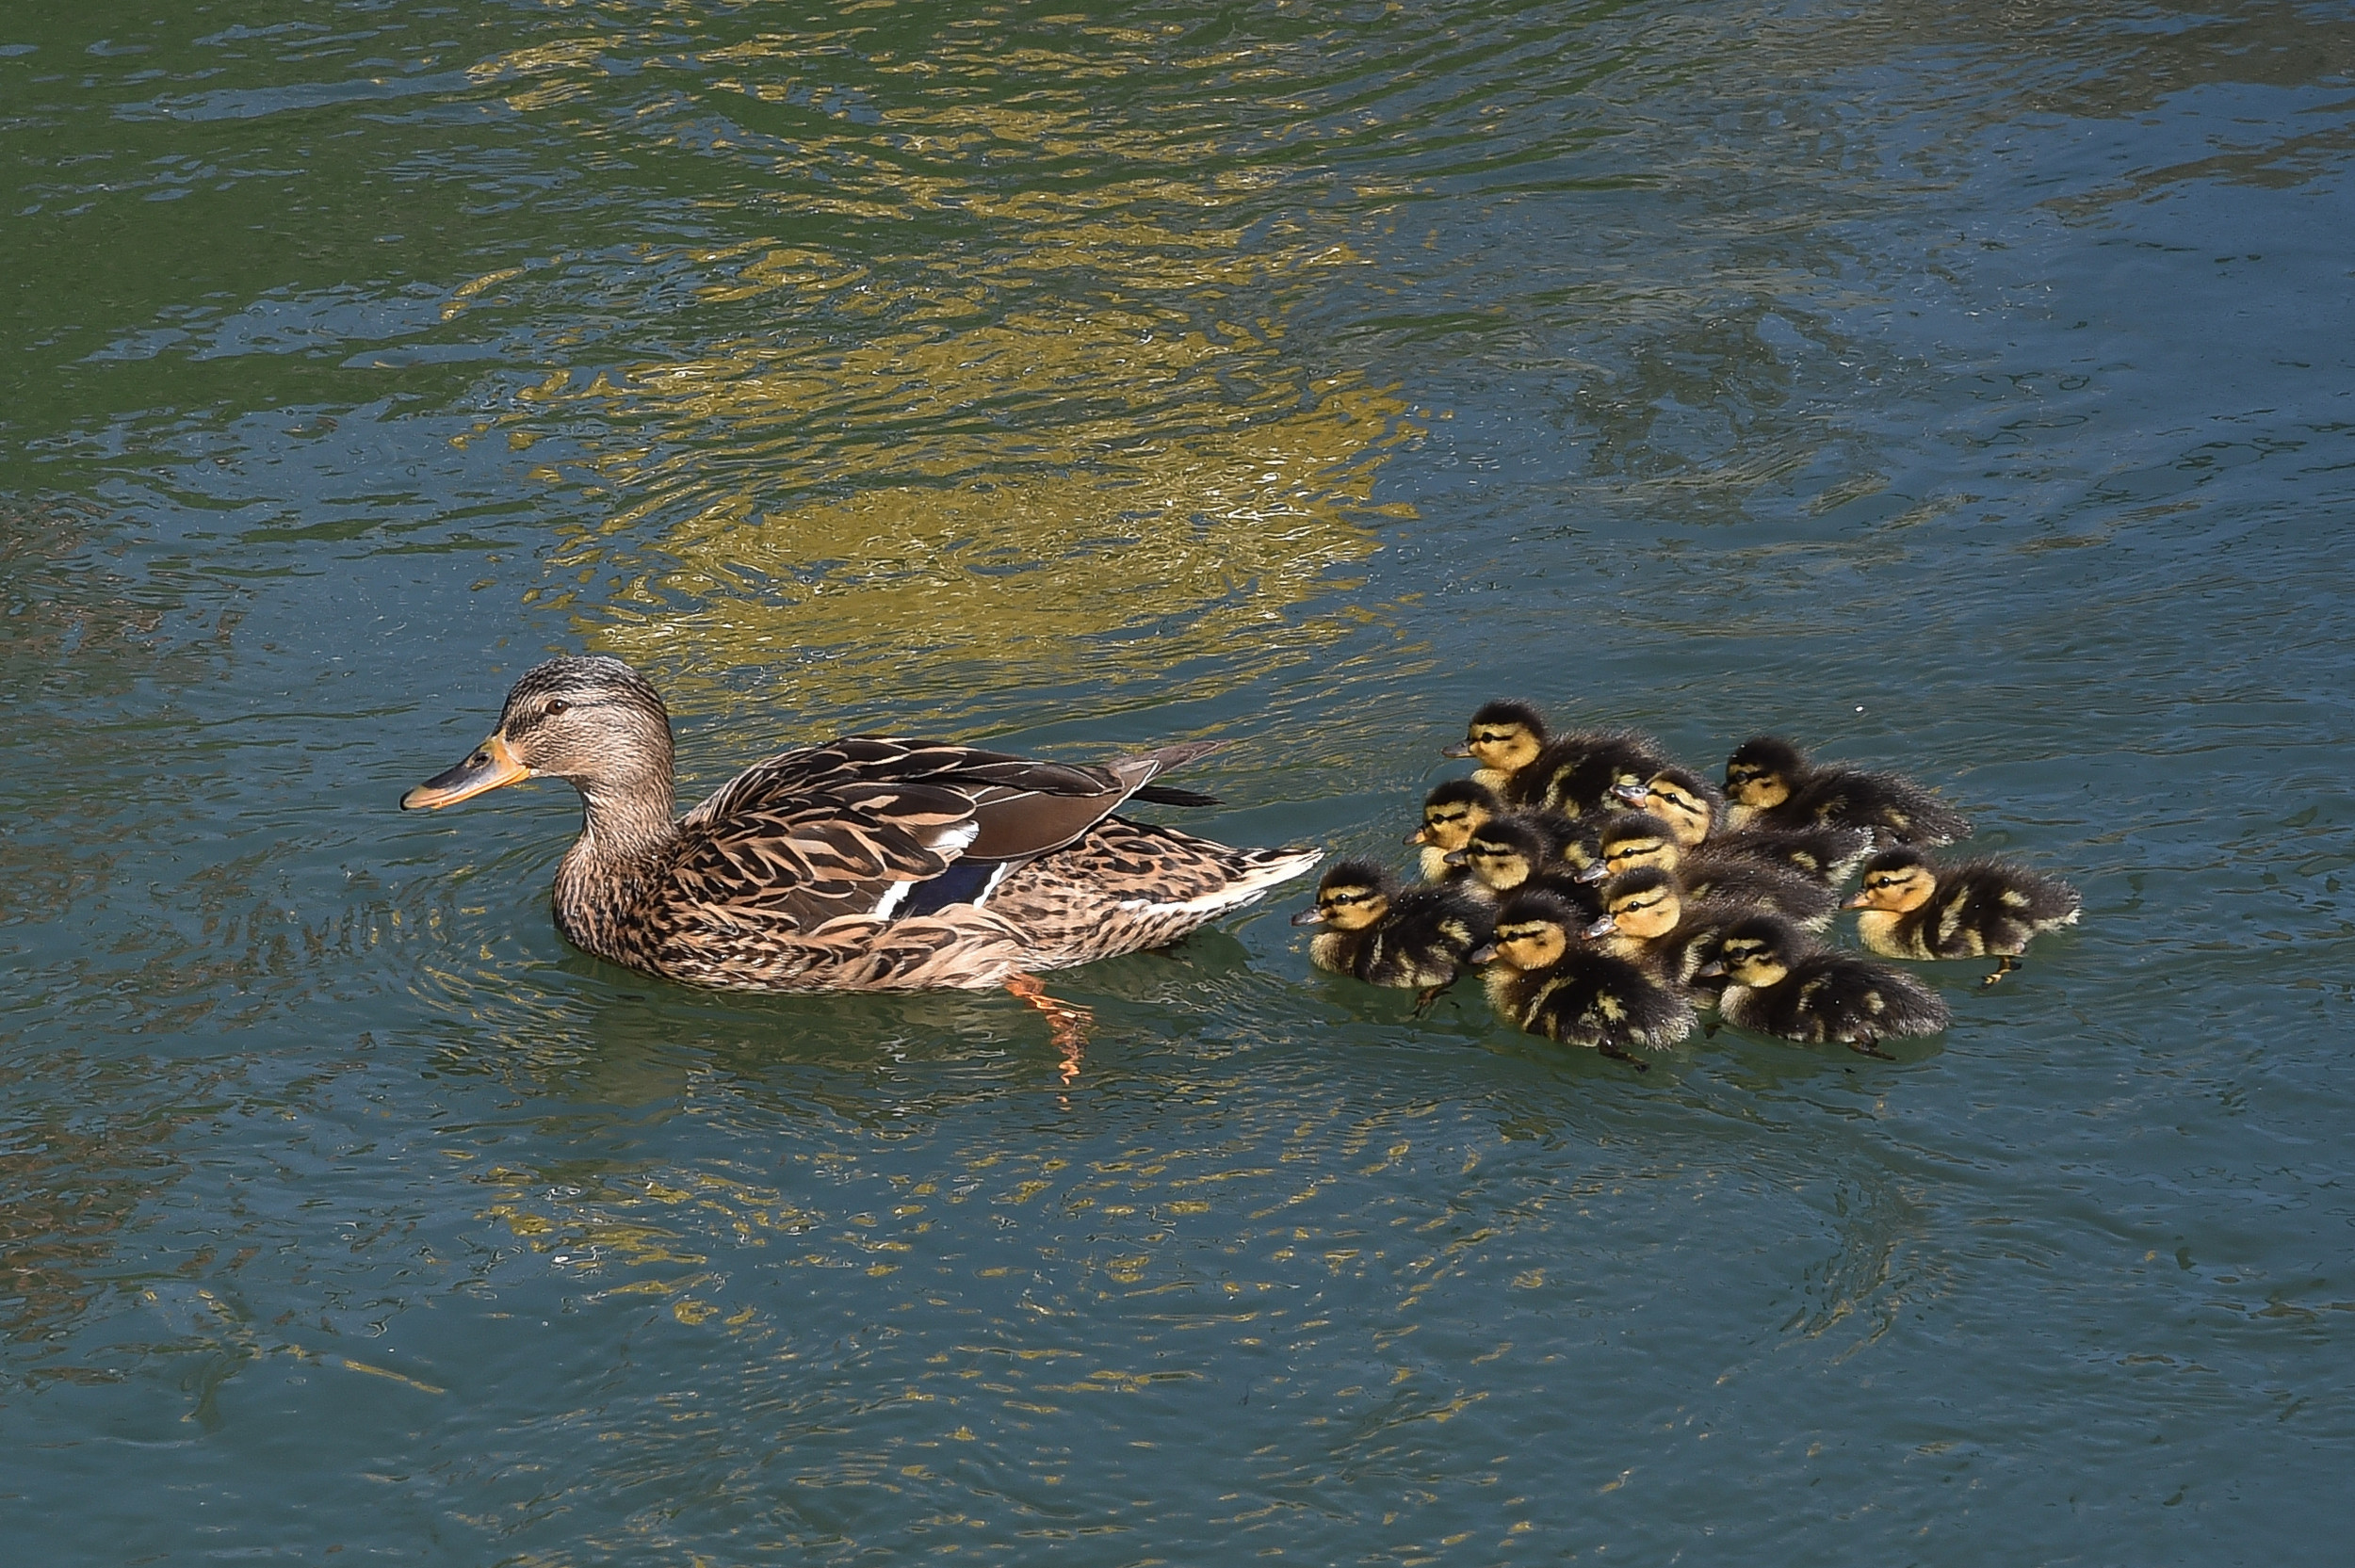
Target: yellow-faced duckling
[(1635, 838), (1696, 815), (1771, 784), (869, 864), (1571, 774), (1779, 983), (1541, 978), (1646, 919), (1384, 934), (1506, 853), (1917, 909), (1450, 813)]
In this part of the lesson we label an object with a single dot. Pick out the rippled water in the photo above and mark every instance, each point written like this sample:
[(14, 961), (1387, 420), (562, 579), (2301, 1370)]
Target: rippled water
[(1965, 389)]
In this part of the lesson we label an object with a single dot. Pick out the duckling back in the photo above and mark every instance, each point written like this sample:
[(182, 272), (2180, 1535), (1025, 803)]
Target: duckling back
[(1577, 772)]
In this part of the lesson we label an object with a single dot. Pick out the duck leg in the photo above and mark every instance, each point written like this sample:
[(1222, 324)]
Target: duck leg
[(2004, 967), (1066, 1021), (1865, 1046), (1619, 1052), (1429, 994)]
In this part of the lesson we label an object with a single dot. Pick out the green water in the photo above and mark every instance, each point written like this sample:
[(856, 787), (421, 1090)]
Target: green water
[(1963, 389)]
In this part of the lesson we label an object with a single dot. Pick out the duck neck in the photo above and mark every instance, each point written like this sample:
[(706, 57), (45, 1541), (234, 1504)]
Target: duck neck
[(626, 840)]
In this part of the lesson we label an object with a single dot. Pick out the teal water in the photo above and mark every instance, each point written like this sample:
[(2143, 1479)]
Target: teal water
[(1965, 389)]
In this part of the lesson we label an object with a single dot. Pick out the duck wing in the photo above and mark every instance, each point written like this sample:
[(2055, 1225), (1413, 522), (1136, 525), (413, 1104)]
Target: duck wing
[(842, 828)]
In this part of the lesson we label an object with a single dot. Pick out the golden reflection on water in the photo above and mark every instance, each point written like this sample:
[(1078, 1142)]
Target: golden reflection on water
[(1063, 434)]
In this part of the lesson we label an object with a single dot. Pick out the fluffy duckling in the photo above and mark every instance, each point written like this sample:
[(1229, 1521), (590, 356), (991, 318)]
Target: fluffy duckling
[(1542, 979), (1635, 838), (1450, 813), (1384, 934), (1569, 773), (1917, 909), (1507, 853), (1779, 983), (1695, 812), (1772, 785), (1648, 920)]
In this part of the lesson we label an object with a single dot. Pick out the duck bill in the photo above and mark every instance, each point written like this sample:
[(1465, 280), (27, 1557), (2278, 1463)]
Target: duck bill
[(1635, 795), (1604, 927), (1598, 872), (1482, 955), (1711, 971), (1416, 838), (1461, 748), (491, 766), (1309, 916), (1861, 900)]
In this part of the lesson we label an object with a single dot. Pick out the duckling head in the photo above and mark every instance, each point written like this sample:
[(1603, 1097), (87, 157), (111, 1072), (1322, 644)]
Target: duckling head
[(1644, 903), (1897, 881), (1532, 931), (1502, 737), (1757, 951), (594, 722), (1678, 796), (1451, 812), (1504, 852), (1630, 839), (1759, 774), (1354, 894)]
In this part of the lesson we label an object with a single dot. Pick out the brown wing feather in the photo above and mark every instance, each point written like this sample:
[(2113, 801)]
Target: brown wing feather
[(815, 835)]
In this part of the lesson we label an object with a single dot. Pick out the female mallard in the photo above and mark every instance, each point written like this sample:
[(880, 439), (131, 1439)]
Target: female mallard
[(870, 864)]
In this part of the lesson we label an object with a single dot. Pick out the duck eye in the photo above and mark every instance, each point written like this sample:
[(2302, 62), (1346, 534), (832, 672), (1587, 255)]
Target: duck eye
[(556, 705)]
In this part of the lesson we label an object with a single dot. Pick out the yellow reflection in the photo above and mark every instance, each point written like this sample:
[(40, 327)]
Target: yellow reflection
[(1060, 433)]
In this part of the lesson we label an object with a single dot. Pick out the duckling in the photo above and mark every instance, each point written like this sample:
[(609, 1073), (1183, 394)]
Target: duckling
[(1570, 773), (1648, 920), (1506, 853), (1695, 812), (1387, 935), (1779, 983), (1636, 838), (1772, 785), (1450, 813), (1543, 982), (1917, 909)]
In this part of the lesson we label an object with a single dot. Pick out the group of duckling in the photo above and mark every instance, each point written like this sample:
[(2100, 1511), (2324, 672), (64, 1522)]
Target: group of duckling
[(1609, 894)]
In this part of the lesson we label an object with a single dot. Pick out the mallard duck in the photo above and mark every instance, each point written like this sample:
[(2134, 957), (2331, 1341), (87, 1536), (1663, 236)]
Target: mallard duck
[(1635, 838), (1571, 774), (1779, 983), (1916, 909), (1542, 979), (1505, 853), (869, 864), (1384, 934), (1450, 813), (1648, 920), (1771, 784), (1695, 812)]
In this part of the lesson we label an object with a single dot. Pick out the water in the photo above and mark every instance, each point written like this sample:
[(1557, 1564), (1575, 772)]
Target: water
[(1966, 393)]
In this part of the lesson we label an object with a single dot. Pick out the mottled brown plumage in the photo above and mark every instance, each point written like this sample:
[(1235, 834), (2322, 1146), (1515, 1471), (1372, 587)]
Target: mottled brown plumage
[(871, 862)]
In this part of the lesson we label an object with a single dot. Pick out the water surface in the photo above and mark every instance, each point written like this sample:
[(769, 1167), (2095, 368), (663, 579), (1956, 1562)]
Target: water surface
[(1968, 394)]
